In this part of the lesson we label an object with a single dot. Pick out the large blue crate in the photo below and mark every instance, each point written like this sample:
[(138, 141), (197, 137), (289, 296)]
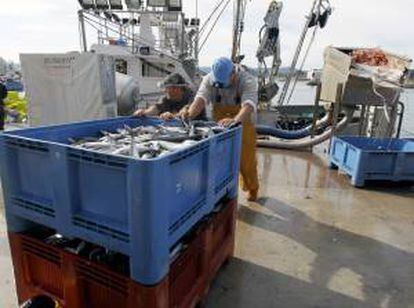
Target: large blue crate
[(373, 159), (141, 208)]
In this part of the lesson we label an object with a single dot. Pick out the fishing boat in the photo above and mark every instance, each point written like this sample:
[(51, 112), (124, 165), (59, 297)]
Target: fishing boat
[(143, 42), (312, 239)]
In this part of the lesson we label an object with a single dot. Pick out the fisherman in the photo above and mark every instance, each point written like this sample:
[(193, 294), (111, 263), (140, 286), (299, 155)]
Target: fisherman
[(233, 92), (177, 97), (3, 95)]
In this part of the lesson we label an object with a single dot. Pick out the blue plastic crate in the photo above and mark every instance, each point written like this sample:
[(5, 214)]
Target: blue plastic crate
[(141, 208), (373, 159)]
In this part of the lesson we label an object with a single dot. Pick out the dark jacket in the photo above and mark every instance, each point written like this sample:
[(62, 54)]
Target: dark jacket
[(3, 92), (3, 95), (168, 105)]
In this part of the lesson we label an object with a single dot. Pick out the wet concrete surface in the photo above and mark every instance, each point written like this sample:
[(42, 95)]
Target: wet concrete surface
[(312, 240), (7, 289), (315, 241)]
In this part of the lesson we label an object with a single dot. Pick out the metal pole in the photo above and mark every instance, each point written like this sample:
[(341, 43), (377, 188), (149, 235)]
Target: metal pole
[(196, 47), (400, 122), (133, 33), (337, 107), (84, 46), (236, 26), (316, 109), (182, 38), (362, 120)]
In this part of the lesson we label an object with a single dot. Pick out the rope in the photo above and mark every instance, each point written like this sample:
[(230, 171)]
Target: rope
[(204, 26), (214, 25), (92, 23), (297, 54), (302, 65)]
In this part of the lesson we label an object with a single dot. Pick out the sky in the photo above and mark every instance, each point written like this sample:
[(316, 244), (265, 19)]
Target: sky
[(41, 26)]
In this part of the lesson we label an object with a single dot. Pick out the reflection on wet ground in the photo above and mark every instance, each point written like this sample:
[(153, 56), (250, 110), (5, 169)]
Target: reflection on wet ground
[(312, 240), (7, 290)]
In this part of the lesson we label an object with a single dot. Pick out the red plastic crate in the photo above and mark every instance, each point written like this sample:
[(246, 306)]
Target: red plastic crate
[(220, 235), (77, 282)]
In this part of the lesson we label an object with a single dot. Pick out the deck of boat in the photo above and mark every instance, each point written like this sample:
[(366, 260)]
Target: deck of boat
[(312, 240)]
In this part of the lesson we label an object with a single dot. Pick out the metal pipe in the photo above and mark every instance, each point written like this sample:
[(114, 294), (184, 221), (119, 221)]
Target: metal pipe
[(196, 51), (315, 109), (182, 38), (82, 29), (236, 26), (400, 122)]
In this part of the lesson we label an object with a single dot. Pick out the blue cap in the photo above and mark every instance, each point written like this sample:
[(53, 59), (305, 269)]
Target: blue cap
[(222, 69)]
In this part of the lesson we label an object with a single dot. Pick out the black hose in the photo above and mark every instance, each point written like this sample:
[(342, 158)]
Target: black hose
[(283, 134)]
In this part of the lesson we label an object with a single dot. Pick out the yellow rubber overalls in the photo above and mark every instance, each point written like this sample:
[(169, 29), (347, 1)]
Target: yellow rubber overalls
[(249, 180)]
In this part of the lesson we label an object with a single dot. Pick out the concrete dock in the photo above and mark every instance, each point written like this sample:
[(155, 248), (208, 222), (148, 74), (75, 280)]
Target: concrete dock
[(312, 240)]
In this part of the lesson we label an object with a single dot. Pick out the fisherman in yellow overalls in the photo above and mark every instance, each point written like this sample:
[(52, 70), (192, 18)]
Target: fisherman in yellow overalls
[(232, 91)]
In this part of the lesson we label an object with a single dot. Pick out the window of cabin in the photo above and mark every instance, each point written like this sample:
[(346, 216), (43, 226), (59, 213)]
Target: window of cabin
[(121, 66), (153, 70)]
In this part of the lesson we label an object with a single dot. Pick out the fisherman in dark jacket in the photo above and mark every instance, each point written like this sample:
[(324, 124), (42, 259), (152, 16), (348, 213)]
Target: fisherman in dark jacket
[(177, 97), (3, 95)]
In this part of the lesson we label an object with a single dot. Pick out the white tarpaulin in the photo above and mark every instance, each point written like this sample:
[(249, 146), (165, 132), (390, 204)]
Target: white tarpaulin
[(70, 87)]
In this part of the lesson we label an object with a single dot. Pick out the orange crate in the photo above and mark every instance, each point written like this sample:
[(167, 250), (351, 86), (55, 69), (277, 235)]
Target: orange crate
[(42, 269)]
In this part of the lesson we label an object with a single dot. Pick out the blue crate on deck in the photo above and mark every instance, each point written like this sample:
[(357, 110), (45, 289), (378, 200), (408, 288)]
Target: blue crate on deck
[(141, 208), (373, 159)]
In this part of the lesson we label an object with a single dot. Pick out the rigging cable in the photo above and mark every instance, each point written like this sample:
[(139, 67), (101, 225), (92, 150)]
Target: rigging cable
[(214, 25), (204, 26), (93, 23), (302, 65), (316, 3)]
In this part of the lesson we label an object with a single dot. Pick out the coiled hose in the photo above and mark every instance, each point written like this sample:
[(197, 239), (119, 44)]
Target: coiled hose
[(306, 141), (291, 134)]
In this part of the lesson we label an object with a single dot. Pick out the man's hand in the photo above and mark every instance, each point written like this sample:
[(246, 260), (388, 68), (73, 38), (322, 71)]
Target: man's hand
[(139, 113), (184, 113), (167, 116), (195, 108), (226, 122)]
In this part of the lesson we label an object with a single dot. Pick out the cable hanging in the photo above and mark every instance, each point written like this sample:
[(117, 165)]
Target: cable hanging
[(314, 19), (214, 25)]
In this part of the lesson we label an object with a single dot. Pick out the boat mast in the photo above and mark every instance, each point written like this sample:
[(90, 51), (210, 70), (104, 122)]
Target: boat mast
[(82, 33), (237, 30), (197, 38)]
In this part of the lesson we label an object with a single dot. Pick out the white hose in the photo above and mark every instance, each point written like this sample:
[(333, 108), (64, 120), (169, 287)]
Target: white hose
[(308, 141)]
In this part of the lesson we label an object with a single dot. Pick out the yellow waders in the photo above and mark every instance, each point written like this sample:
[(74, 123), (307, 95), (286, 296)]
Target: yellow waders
[(249, 180)]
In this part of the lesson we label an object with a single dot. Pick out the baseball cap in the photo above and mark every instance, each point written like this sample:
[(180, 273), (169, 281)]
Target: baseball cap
[(222, 69), (174, 80)]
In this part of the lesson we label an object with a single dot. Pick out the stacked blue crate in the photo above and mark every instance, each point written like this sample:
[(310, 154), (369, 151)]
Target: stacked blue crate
[(373, 159), (141, 208)]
